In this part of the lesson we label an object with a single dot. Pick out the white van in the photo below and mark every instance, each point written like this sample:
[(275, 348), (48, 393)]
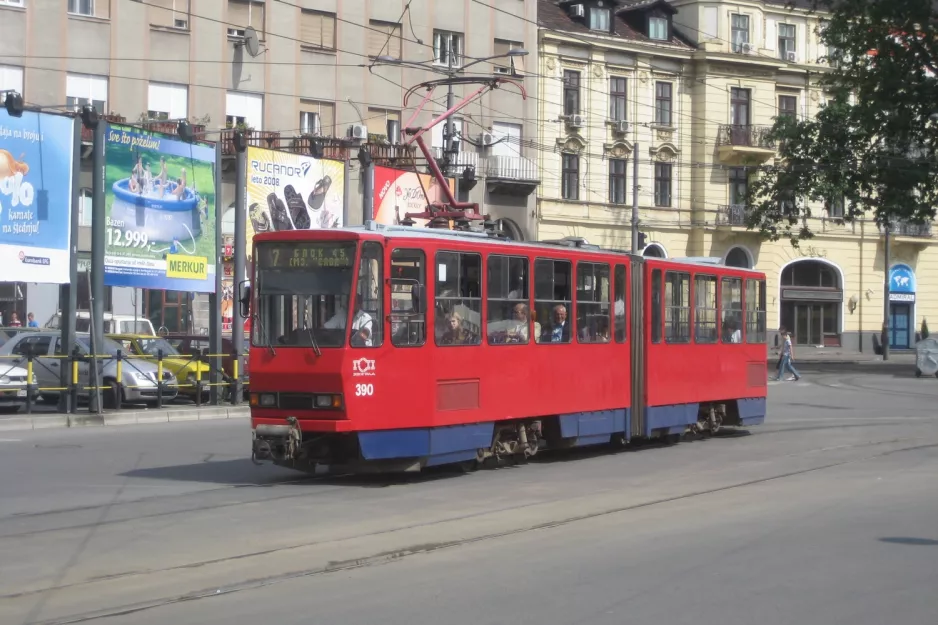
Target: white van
[(113, 324)]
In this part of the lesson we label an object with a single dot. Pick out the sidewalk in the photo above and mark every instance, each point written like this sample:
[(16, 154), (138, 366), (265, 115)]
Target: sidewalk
[(38, 421), (838, 359)]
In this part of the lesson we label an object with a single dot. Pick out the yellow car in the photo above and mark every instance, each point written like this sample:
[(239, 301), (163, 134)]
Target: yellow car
[(183, 366)]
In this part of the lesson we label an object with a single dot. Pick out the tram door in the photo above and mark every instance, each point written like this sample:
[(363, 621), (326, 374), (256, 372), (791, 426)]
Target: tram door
[(637, 331)]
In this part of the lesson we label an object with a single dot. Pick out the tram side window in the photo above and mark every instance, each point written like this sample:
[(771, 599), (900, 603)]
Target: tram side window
[(509, 320), (656, 306), (676, 307), (592, 303), (731, 310), (552, 300), (368, 322), (755, 311), (705, 309), (458, 298), (408, 298), (619, 307)]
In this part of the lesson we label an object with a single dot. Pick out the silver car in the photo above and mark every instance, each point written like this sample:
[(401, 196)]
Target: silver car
[(12, 386), (138, 376)]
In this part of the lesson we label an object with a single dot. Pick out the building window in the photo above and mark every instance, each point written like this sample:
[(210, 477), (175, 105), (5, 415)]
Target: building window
[(511, 65), (509, 320), (84, 207), (317, 118), (755, 311), (12, 3), (731, 310), (662, 184), (169, 13), (676, 307), (739, 106), (447, 48), (384, 39), (81, 7), (592, 302), (600, 19), (378, 119), (167, 102), (244, 109), (835, 207), (570, 177), (617, 193), (571, 92), (739, 186), (317, 30), (82, 89), (658, 28), (705, 309), (618, 99), (663, 103), (786, 42), (552, 300), (458, 298), (11, 79), (244, 13), (788, 106), (739, 28)]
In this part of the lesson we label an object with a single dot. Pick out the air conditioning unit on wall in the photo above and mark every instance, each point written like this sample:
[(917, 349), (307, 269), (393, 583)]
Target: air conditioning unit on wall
[(358, 132), (576, 121), (621, 126), (790, 56), (487, 139)]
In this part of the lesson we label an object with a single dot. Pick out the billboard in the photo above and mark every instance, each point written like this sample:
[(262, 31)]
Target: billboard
[(287, 191), (398, 192), (160, 208), (36, 155)]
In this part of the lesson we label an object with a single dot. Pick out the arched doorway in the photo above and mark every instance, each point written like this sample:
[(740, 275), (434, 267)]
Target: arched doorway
[(812, 302), (509, 228), (654, 250), (738, 257)]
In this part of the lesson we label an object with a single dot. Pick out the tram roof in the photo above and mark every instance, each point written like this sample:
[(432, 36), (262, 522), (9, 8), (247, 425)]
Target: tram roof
[(569, 243)]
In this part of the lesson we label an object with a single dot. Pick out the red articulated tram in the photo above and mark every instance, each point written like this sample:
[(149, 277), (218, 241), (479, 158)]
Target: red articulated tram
[(397, 348)]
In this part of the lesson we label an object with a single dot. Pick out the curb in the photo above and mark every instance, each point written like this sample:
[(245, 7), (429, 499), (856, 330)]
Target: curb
[(124, 417)]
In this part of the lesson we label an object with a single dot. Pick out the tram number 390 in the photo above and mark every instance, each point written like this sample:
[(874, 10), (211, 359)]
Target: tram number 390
[(364, 390)]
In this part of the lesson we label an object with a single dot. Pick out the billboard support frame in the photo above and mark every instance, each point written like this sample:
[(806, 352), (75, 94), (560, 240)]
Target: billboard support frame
[(215, 299), (68, 293), (237, 320), (98, 230)]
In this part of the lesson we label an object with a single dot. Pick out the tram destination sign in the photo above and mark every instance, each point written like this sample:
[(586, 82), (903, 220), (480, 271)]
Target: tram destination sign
[(305, 256)]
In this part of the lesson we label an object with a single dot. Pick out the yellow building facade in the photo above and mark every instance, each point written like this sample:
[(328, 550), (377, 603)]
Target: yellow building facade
[(690, 89)]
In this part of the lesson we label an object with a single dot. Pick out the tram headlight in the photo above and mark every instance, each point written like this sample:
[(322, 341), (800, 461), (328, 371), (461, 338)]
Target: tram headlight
[(267, 400), (324, 401)]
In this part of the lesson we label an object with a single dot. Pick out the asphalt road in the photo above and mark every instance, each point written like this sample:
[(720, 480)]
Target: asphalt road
[(827, 514)]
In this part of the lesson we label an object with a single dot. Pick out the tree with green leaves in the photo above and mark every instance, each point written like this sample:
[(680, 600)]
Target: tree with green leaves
[(875, 142)]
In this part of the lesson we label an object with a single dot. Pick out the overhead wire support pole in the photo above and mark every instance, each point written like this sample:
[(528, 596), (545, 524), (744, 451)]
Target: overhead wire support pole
[(886, 290), (215, 298), (98, 216), (68, 293), (240, 251), (635, 249)]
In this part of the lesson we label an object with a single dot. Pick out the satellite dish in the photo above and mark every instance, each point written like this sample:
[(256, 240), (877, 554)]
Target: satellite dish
[(250, 41)]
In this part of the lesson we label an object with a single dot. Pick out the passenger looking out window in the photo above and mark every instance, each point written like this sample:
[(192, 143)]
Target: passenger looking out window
[(592, 303), (458, 297), (731, 310), (507, 291), (552, 299)]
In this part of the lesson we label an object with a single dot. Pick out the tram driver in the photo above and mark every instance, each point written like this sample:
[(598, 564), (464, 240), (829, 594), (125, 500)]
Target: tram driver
[(360, 321)]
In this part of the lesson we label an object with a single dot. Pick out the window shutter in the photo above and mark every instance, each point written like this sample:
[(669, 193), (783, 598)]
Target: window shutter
[(328, 32), (501, 48), (161, 12), (771, 34), (377, 37), (311, 29), (257, 10), (237, 15)]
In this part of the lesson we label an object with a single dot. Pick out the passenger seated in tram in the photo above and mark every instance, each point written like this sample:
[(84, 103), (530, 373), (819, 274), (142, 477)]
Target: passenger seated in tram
[(559, 330), (731, 331), (455, 334)]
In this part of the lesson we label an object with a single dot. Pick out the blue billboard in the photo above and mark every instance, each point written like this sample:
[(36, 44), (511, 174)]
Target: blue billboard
[(160, 212), (36, 155)]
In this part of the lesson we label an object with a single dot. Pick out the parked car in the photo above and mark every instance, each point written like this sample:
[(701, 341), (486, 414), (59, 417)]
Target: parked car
[(113, 324), (139, 381), (12, 386), (182, 366), (7, 333), (189, 344)]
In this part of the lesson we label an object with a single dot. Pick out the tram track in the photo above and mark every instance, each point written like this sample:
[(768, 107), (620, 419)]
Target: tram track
[(418, 548)]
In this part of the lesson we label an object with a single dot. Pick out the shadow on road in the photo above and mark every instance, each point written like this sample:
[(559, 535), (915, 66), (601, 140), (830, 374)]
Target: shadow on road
[(903, 540)]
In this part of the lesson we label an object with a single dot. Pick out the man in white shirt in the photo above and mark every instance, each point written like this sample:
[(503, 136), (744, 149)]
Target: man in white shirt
[(361, 320)]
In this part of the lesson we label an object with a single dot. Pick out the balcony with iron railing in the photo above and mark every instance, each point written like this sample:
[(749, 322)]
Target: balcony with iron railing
[(511, 175), (732, 215), (744, 144), (908, 229)]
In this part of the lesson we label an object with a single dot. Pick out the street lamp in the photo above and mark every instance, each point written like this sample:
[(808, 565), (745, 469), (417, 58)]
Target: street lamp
[(451, 72)]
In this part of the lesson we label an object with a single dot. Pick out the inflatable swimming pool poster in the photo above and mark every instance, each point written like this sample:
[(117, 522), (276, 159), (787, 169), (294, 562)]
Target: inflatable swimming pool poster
[(289, 191), (160, 203), (36, 155)]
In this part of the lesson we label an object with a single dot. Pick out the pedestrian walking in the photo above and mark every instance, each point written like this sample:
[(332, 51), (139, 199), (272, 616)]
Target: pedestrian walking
[(788, 355), (31, 321)]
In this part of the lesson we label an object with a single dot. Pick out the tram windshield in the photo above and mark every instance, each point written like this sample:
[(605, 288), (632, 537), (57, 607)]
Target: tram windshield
[(302, 291)]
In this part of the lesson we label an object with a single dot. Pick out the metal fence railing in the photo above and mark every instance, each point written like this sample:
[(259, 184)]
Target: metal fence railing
[(125, 378)]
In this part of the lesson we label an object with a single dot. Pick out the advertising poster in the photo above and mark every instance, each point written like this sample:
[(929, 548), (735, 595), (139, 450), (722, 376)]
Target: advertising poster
[(160, 207), (398, 192), (292, 192), (36, 154)]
